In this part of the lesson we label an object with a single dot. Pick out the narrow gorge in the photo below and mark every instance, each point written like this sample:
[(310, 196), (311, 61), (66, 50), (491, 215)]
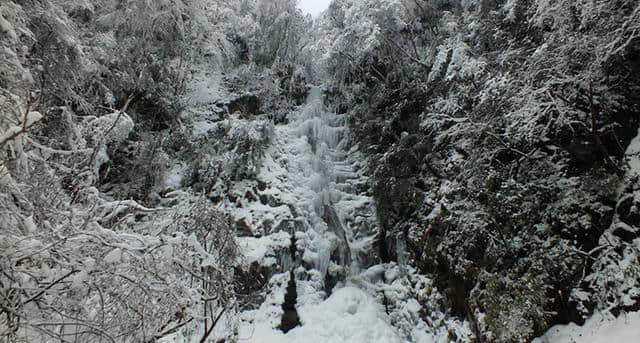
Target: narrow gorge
[(386, 171)]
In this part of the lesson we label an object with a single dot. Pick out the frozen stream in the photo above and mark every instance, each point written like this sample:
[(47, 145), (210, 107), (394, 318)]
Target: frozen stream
[(311, 166)]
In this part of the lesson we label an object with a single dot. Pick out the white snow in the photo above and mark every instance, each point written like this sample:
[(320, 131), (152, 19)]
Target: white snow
[(32, 118), (600, 328), (7, 28), (30, 225), (207, 89), (174, 176), (261, 249), (633, 155), (349, 315), (113, 256), (116, 126)]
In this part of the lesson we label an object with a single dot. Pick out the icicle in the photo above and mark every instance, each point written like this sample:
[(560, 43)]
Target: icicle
[(401, 252), (323, 261), (286, 262)]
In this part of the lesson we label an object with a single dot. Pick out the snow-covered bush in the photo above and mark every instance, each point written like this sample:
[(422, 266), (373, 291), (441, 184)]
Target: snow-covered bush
[(15, 33), (80, 260), (65, 273)]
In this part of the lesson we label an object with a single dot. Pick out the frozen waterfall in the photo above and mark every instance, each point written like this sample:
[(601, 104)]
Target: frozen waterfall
[(334, 239), (334, 235)]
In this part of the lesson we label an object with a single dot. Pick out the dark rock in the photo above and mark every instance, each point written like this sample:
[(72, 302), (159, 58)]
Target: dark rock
[(626, 233), (249, 285), (248, 104), (243, 228), (264, 199), (262, 185), (216, 199), (627, 212), (249, 196), (290, 317)]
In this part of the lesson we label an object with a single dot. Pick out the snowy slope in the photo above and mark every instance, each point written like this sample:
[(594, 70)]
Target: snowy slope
[(348, 315), (600, 328)]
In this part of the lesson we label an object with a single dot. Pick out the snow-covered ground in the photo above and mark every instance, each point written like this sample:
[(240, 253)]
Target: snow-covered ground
[(348, 315), (600, 328)]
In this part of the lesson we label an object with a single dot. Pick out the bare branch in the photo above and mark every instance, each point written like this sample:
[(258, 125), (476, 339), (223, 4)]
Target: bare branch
[(27, 122), (50, 286)]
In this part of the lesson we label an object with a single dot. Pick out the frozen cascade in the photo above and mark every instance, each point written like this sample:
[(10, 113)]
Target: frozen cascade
[(333, 262), (315, 230), (326, 156)]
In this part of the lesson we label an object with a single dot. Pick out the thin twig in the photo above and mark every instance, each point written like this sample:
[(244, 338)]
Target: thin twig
[(413, 58), (50, 286), (169, 331), (213, 325), (25, 126)]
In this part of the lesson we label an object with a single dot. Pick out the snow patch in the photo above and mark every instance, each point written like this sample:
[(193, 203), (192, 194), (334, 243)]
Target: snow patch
[(263, 250), (600, 328), (113, 256), (349, 315), (633, 155)]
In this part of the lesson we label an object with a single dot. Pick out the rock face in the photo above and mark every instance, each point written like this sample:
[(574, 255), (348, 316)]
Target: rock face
[(290, 317), (342, 255)]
